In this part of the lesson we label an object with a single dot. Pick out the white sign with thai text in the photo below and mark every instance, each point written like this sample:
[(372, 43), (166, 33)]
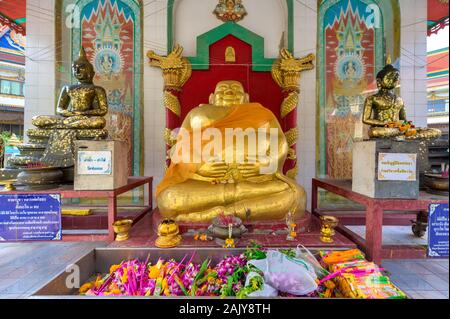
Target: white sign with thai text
[(94, 162), (397, 167)]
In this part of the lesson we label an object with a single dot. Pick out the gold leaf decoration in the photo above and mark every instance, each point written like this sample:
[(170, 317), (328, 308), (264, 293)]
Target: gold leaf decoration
[(172, 103), (289, 104), (176, 69), (292, 136)]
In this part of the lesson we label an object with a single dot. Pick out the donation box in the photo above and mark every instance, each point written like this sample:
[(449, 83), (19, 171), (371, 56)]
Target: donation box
[(386, 169), (100, 165)]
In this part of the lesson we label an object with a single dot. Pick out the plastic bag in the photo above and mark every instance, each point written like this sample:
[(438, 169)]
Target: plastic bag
[(267, 291), (286, 274), (304, 254)]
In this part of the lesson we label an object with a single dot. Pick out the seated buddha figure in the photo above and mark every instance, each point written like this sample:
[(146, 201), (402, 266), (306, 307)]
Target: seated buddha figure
[(80, 115), (81, 106), (385, 111), (241, 183)]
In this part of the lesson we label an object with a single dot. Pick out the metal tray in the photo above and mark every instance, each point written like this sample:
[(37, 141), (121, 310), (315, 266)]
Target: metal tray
[(99, 260)]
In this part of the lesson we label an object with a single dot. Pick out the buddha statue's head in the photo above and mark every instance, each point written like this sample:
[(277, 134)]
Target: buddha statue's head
[(228, 93), (388, 78), (82, 69)]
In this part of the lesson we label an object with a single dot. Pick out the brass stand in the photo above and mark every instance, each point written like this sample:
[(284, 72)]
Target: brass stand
[(122, 228), (168, 234), (9, 185), (327, 232)]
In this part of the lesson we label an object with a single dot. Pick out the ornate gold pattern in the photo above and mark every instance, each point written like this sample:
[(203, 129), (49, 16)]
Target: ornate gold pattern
[(287, 69), (289, 103), (286, 73), (292, 136), (230, 10), (172, 103), (176, 69)]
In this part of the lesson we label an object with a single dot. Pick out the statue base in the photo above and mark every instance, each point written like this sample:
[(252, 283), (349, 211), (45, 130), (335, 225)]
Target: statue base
[(88, 134), (385, 168), (37, 179), (100, 165), (253, 227)]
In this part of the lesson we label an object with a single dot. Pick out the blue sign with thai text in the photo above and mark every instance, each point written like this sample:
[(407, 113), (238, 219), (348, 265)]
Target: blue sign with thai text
[(30, 217), (438, 230)]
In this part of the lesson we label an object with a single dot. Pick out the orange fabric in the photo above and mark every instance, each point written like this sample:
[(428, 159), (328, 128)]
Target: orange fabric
[(250, 115)]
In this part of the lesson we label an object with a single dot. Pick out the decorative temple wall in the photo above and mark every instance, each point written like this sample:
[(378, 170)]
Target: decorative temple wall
[(269, 20)]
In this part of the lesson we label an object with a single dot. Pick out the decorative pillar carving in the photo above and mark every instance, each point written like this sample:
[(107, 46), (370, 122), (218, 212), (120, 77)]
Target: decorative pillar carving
[(176, 71), (286, 73)]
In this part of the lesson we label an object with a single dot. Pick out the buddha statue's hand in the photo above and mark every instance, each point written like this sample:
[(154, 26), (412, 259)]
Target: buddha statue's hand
[(253, 167), (73, 119), (248, 170), (66, 113), (213, 170)]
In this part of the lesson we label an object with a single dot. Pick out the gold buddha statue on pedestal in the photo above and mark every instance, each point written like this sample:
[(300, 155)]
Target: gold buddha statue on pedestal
[(80, 115), (385, 111), (199, 192)]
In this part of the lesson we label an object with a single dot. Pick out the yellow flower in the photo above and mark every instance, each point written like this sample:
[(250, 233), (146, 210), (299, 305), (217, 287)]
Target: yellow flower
[(154, 272), (116, 291), (98, 282), (114, 268), (165, 286), (86, 287), (229, 243), (124, 277)]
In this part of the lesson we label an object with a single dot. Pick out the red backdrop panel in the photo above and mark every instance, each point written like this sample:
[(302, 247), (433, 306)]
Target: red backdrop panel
[(260, 85)]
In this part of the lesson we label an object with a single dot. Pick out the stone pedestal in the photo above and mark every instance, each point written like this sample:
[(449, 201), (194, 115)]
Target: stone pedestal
[(100, 165), (371, 180)]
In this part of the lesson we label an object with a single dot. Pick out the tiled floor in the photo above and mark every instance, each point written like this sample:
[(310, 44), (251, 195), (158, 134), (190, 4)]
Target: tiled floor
[(420, 279), (24, 268), (394, 235)]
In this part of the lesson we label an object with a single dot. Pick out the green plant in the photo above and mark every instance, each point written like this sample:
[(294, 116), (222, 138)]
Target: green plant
[(5, 135)]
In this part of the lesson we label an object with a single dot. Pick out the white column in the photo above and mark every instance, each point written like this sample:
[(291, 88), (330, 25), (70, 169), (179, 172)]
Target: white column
[(305, 42), (413, 59), (155, 38), (40, 59)]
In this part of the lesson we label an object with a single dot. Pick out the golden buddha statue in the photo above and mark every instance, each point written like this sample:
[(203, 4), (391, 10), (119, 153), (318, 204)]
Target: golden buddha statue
[(385, 111), (80, 115), (199, 192)]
